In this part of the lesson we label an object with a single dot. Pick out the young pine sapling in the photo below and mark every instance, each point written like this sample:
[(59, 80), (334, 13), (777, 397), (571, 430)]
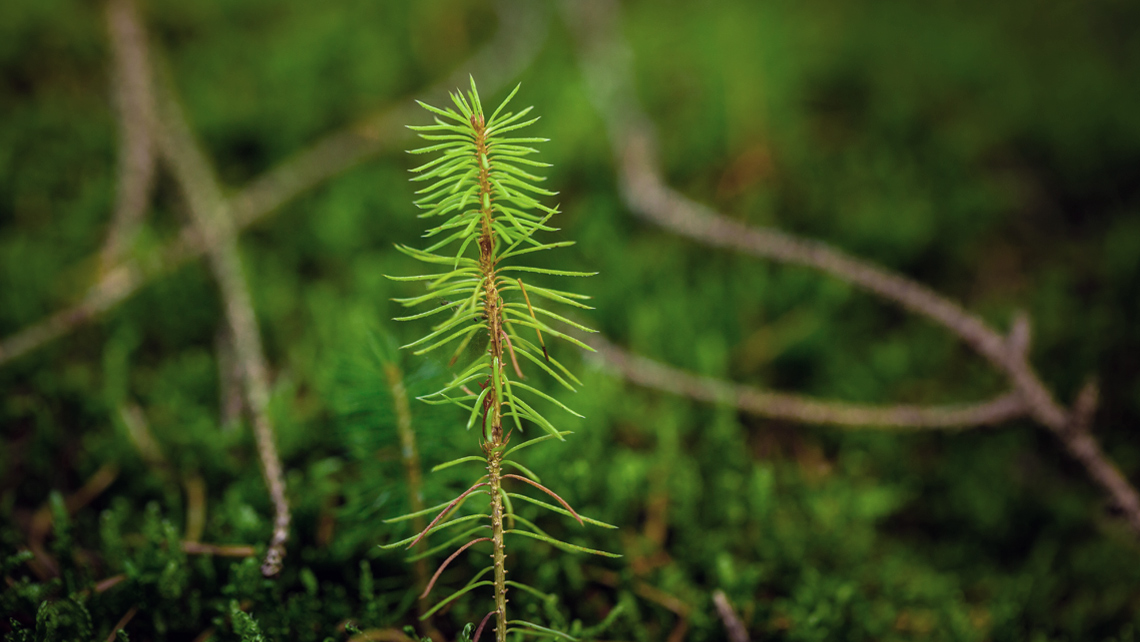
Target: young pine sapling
[(482, 189)]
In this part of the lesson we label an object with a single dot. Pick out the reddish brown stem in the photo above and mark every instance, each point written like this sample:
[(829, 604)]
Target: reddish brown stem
[(109, 583), (123, 622), (479, 630), (447, 561), (219, 550), (526, 297), (514, 361), (444, 512), (548, 492)]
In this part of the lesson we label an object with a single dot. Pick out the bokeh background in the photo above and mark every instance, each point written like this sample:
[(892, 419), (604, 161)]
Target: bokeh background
[(990, 150)]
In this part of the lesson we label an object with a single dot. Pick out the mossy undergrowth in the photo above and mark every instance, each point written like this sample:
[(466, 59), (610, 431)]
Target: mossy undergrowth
[(988, 151)]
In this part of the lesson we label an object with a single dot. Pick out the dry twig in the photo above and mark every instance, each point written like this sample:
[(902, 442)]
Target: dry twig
[(605, 63), (195, 488), (122, 623), (209, 212), (230, 398), (522, 31), (218, 550), (732, 623), (381, 635), (43, 564), (801, 408), (217, 220), (135, 107)]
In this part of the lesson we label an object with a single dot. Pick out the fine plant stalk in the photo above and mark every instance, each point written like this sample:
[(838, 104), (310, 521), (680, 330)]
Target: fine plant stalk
[(411, 458), (482, 188)]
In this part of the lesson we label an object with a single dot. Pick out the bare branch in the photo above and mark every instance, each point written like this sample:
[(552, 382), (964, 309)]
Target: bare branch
[(1085, 406), (112, 289), (1020, 334), (605, 63), (43, 564), (217, 550), (109, 583), (732, 623), (210, 216), (522, 31), (800, 408), (231, 399), (135, 107), (122, 623)]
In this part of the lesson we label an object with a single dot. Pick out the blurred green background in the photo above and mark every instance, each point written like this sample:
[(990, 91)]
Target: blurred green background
[(990, 150)]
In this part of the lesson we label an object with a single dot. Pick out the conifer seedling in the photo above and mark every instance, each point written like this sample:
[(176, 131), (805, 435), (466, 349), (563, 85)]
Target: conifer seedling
[(481, 191)]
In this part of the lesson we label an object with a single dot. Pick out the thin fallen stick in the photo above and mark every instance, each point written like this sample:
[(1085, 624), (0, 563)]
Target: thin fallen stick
[(649, 592), (218, 550), (112, 289), (122, 623), (211, 218), (230, 398), (522, 31), (381, 635), (606, 67), (732, 623), (195, 488), (135, 108), (800, 408), (43, 564), (107, 584)]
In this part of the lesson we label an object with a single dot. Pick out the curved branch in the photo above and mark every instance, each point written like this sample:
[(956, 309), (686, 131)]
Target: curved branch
[(804, 409), (522, 31), (732, 624), (211, 218), (606, 66)]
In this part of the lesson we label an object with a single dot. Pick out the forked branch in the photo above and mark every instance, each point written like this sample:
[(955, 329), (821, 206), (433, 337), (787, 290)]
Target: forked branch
[(211, 219), (522, 31), (605, 63)]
